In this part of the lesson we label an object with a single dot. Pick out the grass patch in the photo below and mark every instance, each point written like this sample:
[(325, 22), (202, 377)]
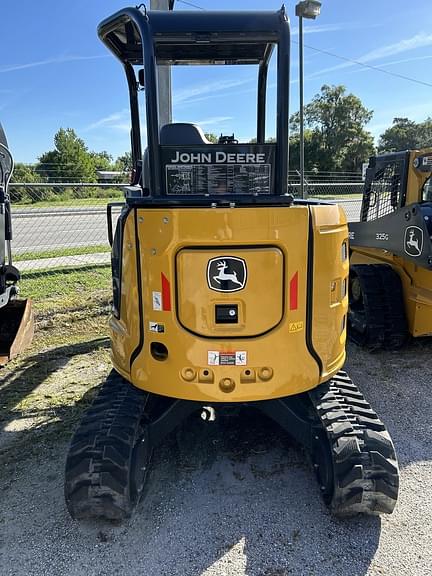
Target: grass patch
[(59, 252), (44, 391), (336, 196), (70, 203), (62, 290)]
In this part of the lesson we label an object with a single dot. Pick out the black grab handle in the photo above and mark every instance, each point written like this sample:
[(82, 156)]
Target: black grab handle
[(109, 220)]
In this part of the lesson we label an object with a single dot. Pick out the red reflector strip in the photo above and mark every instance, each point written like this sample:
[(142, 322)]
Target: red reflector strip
[(166, 293), (293, 292)]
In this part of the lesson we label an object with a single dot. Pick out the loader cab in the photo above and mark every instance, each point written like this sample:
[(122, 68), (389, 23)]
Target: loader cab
[(178, 165)]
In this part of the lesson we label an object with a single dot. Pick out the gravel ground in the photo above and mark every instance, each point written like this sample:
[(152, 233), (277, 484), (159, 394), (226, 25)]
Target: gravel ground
[(236, 497)]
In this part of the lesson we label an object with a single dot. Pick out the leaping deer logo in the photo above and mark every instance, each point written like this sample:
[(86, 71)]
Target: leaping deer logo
[(414, 241), (226, 274), (222, 266)]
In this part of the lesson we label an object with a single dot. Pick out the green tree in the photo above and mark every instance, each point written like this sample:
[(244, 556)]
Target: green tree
[(70, 161), (336, 120), (102, 160), (124, 162), (211, 137), (311, 151), (405, 134), (24, 173)]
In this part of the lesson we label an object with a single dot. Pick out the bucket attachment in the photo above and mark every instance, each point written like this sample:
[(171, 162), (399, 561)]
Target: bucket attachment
[(16, 328)]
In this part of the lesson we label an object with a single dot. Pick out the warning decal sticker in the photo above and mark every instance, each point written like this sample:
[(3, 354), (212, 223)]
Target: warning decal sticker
[(157, 300), (156, 327), (216, 358)]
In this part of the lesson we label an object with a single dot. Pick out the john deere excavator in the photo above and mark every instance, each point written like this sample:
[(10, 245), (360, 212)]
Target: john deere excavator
[(390, 290), (16, 318), (226, 290)]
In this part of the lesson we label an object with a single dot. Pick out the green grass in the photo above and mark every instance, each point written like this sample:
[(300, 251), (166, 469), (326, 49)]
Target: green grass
[(62, 290), (59, 252), (336, 196), (71, 203)]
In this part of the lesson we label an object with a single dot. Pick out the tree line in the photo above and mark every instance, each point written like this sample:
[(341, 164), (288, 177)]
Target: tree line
[(335, 139)]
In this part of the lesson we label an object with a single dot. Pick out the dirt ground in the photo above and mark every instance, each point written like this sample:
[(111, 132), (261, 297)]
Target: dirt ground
[(234, 497)]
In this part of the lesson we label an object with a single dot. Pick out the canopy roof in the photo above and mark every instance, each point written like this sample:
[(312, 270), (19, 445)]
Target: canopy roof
[(188, 37)]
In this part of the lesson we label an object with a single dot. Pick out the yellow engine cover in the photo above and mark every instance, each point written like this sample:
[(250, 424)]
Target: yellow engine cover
[(198, 300), (232, 304)]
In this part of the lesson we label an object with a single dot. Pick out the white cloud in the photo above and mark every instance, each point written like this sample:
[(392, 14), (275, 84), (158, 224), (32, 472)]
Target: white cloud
[(213, 120), (117, 121), (420, 40), (55, 60), (404, 60), (205, 90)]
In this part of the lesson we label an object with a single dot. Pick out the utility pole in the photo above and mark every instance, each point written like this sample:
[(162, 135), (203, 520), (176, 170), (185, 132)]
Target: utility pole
[(163, 74), (304, 9)]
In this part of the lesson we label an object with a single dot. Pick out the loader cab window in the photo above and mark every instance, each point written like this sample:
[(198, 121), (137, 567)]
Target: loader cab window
[(427, 190)]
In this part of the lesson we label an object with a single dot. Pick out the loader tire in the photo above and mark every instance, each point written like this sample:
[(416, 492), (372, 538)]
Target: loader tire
[(353, 456), (109, 455)]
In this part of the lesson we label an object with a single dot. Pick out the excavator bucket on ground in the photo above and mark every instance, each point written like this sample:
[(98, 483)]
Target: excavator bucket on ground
[(16, 317)]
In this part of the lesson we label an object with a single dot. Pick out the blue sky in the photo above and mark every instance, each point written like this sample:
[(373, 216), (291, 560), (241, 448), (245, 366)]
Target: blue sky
[(54, 71)]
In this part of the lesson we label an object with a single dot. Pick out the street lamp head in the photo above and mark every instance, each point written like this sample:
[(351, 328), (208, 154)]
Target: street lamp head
[(308, 9)]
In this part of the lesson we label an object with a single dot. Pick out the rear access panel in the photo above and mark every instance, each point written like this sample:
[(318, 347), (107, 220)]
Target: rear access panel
[(223, 292)]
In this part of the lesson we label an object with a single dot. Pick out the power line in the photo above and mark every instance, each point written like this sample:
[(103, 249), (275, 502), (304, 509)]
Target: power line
[(191, 4), (359, 63), (345, 58)]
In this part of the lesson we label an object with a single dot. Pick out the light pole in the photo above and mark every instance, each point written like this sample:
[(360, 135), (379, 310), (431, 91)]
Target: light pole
[(304, 9), (164, 73)]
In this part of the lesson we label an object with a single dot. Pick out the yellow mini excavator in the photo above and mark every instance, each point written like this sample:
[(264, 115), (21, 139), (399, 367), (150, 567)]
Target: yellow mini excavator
[(390, 290), (16, 317), (226, 290)]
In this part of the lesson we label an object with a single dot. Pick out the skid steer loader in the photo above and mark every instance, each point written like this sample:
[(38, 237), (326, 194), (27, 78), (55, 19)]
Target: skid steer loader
[(226, 290), (390, 290), (16, 317)]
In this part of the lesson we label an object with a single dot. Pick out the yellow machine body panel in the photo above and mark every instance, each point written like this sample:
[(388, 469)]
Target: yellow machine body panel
[(288, 334), (197, 301), (416, 281)]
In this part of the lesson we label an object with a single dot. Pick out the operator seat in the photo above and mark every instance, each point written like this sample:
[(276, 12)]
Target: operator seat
[(182, 134), (175, 134)]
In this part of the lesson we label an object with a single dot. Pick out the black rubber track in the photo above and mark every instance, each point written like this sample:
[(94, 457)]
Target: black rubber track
[(363, 475), (109, 454), (377, 320)]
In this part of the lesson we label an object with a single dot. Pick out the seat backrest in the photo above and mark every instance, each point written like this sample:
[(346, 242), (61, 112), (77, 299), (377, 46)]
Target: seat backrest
[(181, 133), (176, 134)]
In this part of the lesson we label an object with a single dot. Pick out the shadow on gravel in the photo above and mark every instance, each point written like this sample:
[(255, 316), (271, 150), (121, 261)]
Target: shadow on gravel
[(38, 420), (238, 497), (16, 384)]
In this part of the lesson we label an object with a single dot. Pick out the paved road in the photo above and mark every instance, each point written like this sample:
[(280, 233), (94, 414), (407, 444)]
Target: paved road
[(97, 259), (42, 229), (45, 229)]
